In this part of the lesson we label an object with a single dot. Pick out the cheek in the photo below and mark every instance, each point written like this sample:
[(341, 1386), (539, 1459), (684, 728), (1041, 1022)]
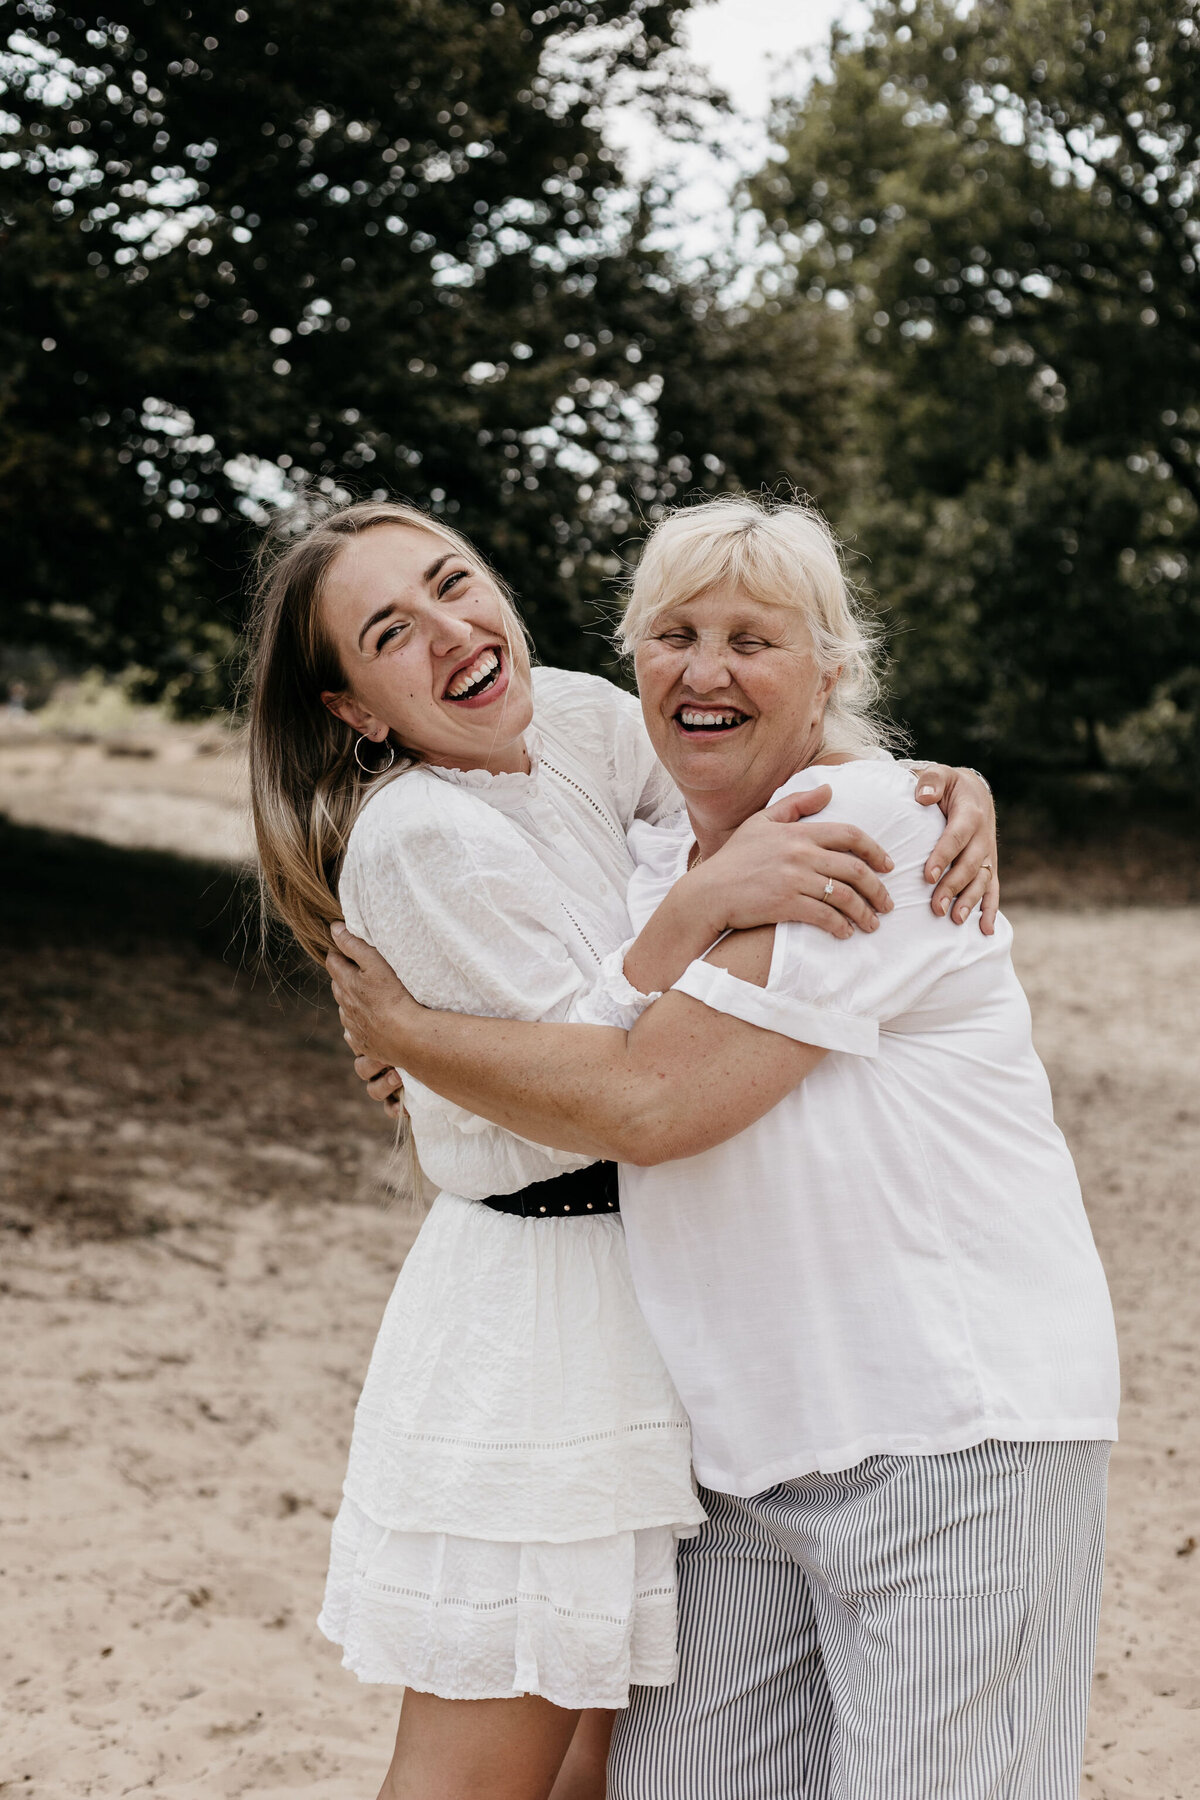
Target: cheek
[(396, 693), (786, 695), (657, 670)]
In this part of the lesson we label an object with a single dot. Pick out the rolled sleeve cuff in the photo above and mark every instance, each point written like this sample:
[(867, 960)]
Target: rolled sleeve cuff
[(799, 1019), (613, 1000)]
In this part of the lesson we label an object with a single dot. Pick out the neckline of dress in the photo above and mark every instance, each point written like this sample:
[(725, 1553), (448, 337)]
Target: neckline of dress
[(511, 788)]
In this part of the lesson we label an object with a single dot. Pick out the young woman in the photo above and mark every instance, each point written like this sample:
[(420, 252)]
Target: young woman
[(519, 1474)]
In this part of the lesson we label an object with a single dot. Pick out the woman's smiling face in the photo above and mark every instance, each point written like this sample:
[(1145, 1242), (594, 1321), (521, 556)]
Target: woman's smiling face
[(429, 649), (732, 694)]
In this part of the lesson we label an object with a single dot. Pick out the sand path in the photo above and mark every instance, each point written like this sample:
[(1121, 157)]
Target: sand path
[(195, 1262)]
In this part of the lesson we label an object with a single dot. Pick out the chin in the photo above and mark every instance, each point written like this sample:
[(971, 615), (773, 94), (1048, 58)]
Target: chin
[(703, 769)]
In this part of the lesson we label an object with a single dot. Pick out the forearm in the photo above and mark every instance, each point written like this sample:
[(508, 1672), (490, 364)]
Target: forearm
[(574, 1087), (685, 924), (684, 1079)]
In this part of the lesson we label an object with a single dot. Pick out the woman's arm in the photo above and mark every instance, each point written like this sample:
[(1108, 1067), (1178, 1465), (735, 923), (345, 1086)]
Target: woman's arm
[(685, 1078), (774, 869), (765, 876)]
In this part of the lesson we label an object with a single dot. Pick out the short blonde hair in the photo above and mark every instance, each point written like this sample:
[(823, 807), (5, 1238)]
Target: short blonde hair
[(780, 554)]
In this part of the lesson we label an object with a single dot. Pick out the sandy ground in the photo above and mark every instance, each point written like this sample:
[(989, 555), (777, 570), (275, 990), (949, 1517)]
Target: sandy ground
[(180, 789), (197, 1245)]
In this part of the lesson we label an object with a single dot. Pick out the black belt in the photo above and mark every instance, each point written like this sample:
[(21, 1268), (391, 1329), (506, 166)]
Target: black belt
[(577, 1193)]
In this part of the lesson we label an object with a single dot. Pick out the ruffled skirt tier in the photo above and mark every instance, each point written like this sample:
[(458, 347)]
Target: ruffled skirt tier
[(519, 1474), (475, 1619)]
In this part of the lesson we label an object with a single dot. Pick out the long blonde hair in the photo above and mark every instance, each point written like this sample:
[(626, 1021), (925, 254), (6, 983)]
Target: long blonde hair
[(306, 786), (783, 554)]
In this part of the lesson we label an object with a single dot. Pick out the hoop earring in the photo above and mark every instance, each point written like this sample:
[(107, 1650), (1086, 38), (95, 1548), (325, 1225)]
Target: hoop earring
[(366, 767)]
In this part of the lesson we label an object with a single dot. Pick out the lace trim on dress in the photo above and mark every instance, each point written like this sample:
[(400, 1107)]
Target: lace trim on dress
[(590, 798), (583, 934), (523, 1598), (473, 1619)]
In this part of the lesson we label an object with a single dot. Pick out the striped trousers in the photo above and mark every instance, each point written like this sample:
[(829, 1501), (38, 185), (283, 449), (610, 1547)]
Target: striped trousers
[(914, 1628)]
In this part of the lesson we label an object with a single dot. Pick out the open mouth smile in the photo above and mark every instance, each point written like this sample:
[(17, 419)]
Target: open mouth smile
[(709, 721), (478, 678)]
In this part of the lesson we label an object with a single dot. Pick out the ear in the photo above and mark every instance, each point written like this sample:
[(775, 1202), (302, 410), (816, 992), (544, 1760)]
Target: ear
[(343, 706), (829, 681)]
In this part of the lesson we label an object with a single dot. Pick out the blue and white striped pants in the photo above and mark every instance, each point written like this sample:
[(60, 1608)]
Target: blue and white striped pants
[(914, 1628)]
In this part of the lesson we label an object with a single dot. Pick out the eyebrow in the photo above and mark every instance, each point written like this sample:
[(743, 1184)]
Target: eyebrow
[(377, 618)]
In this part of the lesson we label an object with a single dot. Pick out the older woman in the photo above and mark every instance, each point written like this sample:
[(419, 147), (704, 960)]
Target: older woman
[(855, 1232)]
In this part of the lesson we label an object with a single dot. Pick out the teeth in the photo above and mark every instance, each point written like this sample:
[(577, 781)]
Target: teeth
[(689, 716), (483, 666)]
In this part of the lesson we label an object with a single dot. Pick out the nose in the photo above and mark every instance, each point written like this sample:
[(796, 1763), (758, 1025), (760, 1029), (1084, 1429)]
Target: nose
[(706, 668), (448, 633)]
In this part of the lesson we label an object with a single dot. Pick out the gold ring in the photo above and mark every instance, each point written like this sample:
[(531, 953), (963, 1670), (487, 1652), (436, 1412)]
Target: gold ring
[(828, 888)]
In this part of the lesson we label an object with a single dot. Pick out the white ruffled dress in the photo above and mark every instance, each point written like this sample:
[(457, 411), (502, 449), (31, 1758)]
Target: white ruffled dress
[(520, 1469)]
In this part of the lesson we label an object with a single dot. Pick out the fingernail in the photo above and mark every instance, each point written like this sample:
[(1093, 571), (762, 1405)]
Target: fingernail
[(337, 928), (924, 793), (934, 873), (944, 906), (888, 865)]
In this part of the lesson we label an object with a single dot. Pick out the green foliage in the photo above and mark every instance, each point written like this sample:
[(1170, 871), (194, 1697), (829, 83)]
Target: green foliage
[(765, 393), (1003, 200), (278, 252), (247, 250)]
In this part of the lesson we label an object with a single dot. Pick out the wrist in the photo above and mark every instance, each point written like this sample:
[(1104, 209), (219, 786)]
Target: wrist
[(682, 928), (402, 1035), (706, 907)]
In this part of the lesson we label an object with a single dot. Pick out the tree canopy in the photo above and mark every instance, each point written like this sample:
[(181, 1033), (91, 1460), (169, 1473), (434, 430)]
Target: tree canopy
[(271, 247), (262, 253), (1003, 198)]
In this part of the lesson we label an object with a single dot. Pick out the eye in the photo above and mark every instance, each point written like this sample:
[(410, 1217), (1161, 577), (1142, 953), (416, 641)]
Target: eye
[(746, 644), (385, 637), (675, 637), (451, 581)]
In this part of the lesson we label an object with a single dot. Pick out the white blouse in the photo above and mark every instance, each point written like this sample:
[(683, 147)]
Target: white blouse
[(515, 1394), (502, 895), (896, 1258)]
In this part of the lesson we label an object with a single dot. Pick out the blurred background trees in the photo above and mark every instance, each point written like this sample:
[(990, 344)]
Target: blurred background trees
[(253, 254), (263, 249), (1002, 199)]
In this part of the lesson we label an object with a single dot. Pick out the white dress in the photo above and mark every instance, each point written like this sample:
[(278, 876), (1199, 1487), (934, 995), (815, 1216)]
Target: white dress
[(520, 1469)]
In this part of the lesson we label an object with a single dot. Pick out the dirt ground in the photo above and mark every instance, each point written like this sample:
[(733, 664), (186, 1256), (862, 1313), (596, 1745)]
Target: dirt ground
[(198, 1240)]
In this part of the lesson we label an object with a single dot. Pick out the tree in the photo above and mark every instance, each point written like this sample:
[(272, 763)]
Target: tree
[(1002, 198), (255, 252)]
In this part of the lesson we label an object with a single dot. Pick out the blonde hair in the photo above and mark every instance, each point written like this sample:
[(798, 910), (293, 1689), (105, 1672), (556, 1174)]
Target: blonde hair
[(306, 787), (780, 554)]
